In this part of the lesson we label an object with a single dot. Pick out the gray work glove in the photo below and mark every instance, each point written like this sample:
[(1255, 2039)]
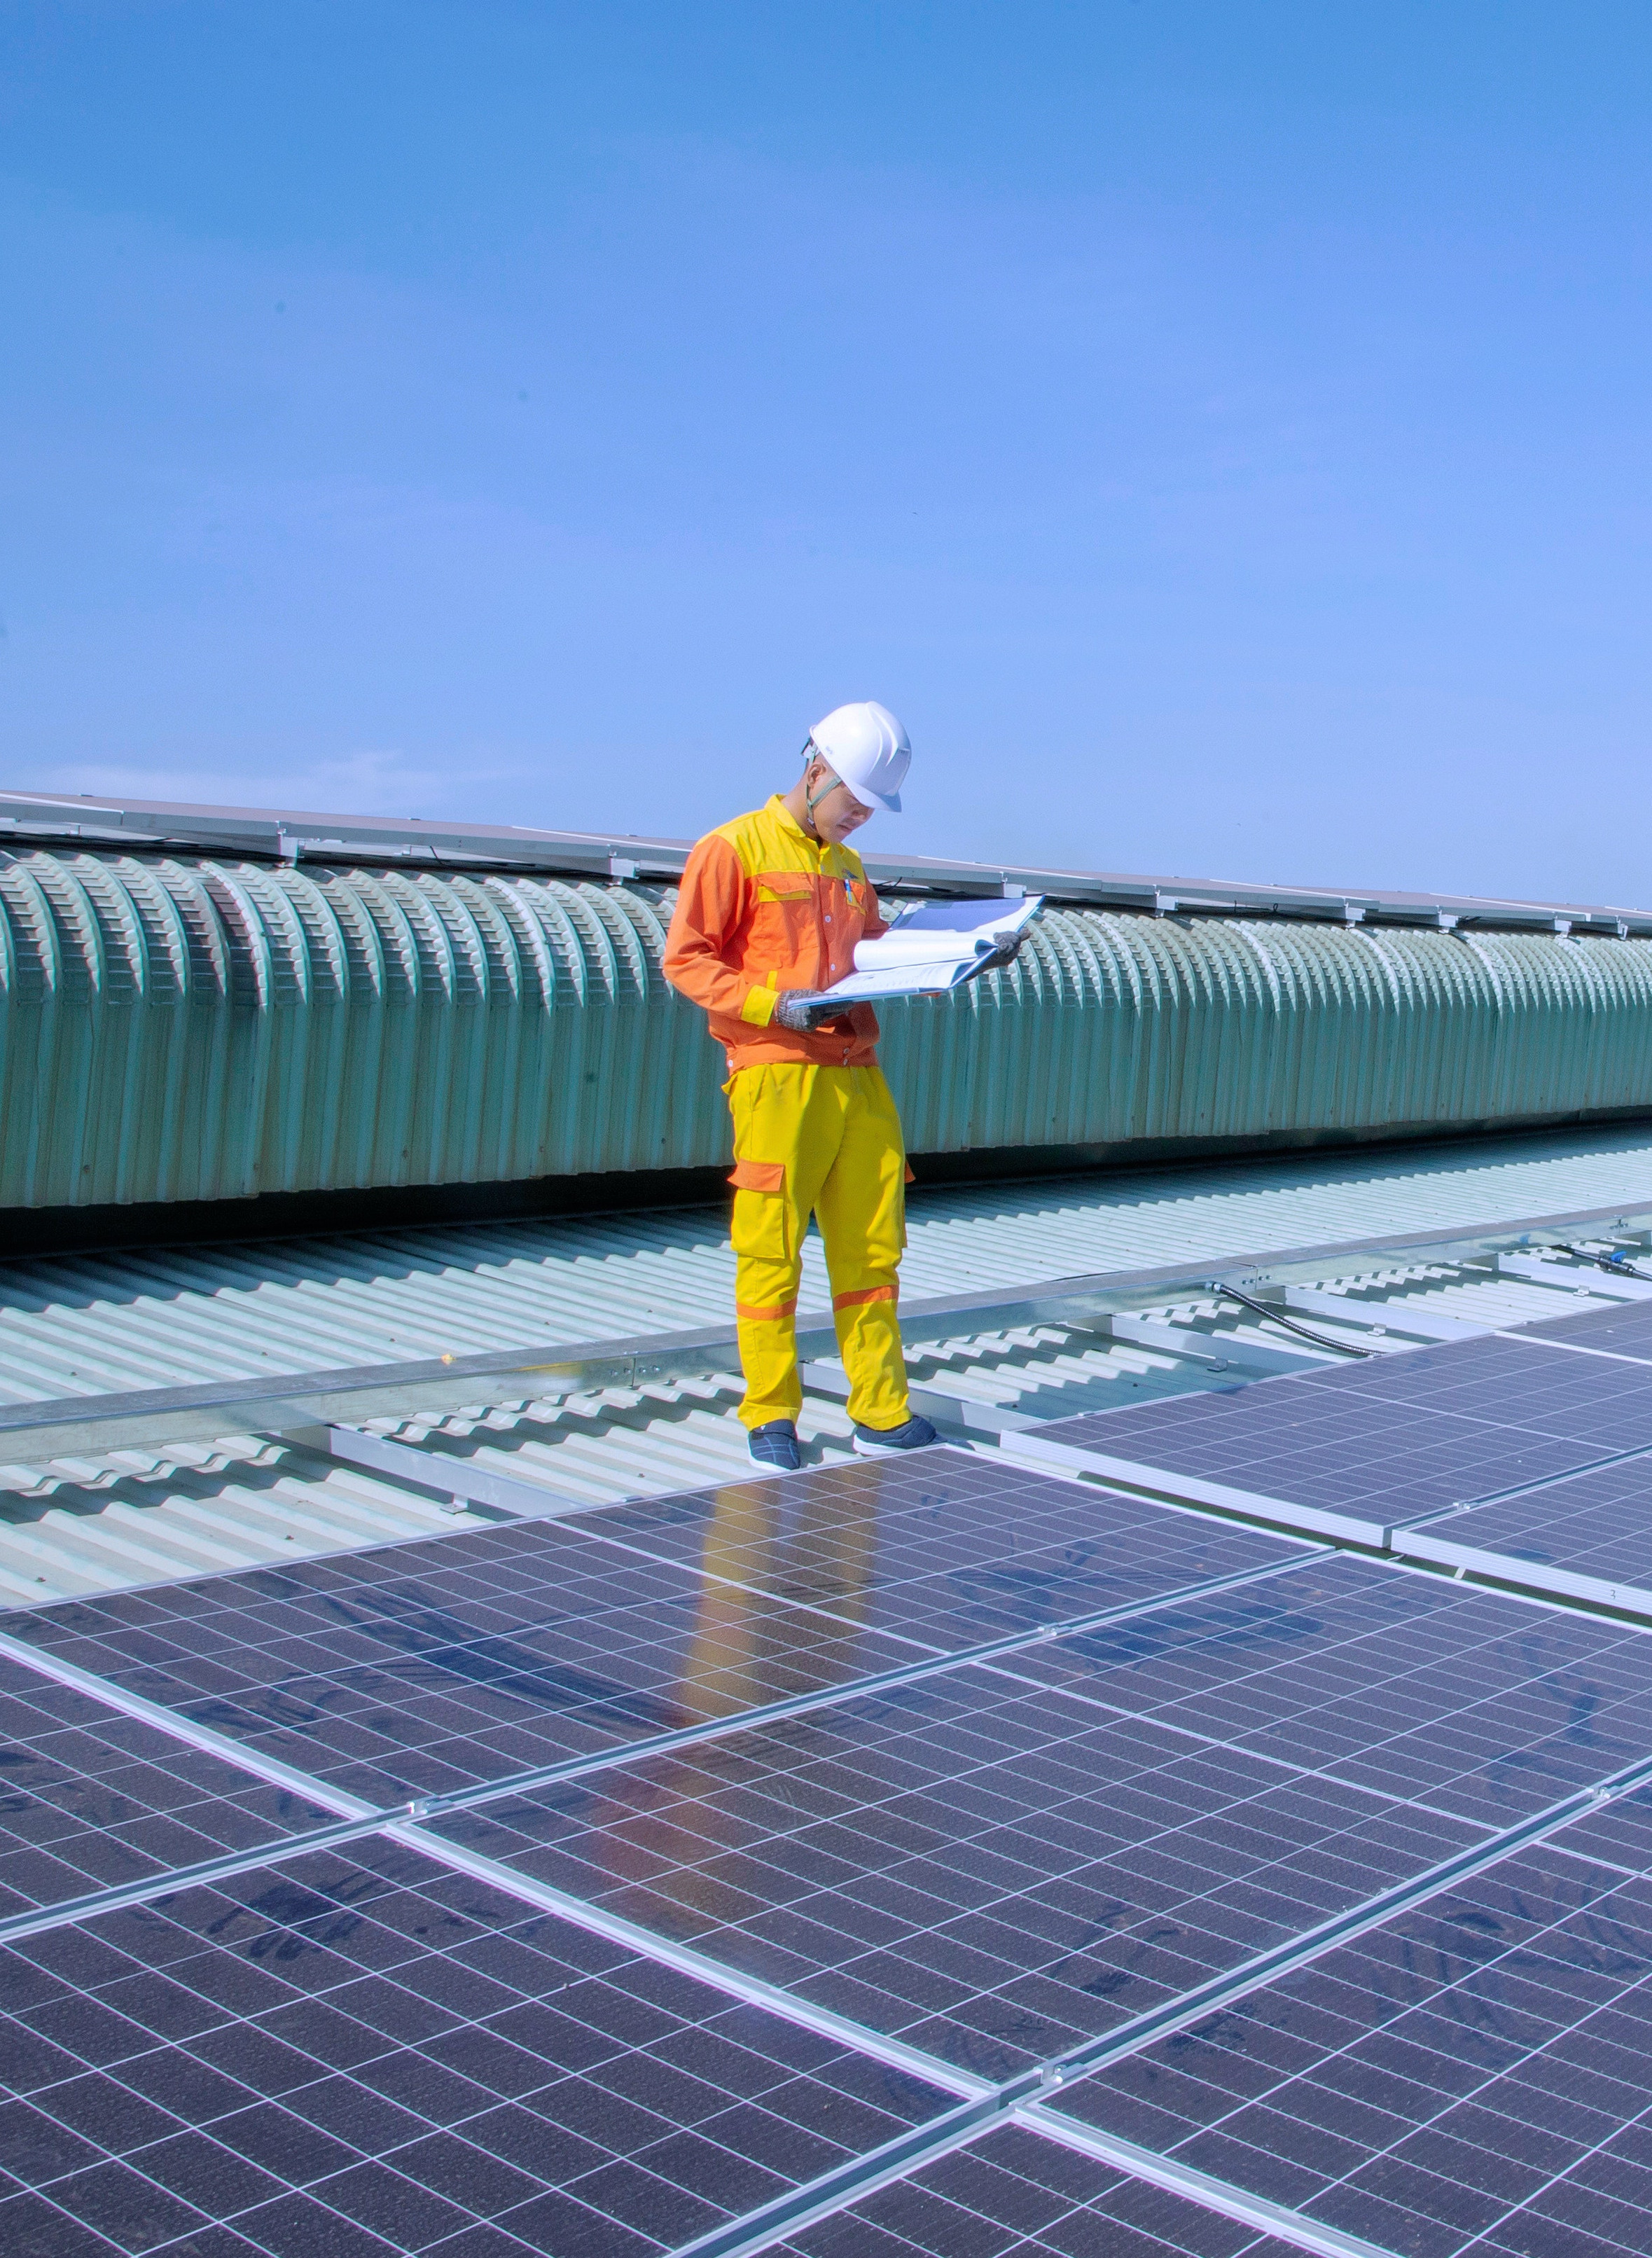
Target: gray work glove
[(803, 1010), (1005, 954)]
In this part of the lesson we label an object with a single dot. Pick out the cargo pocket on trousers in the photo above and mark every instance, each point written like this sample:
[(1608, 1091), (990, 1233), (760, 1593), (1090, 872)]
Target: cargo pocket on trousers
[(758, 1227)]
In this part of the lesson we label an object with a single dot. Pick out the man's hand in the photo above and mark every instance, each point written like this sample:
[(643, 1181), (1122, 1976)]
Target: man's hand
[(1005, 954), (803, 1010)]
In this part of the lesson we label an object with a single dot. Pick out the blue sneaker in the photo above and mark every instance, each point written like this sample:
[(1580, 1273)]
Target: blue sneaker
[(878, 1442), (775, 1447)]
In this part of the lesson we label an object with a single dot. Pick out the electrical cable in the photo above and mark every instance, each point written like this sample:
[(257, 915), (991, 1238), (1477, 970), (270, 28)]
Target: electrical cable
[(1615, 1266), (1320, 1340)]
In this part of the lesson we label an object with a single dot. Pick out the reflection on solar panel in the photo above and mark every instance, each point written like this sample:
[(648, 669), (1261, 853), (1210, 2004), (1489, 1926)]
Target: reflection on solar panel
[(431, 1667), (992, 1869), (92, 1799), (1472, 2075), (350, 2055), (1004, 1880), (953, 1550)]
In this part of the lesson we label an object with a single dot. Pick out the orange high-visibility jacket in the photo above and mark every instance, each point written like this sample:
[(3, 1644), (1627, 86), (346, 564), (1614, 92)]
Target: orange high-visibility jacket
[(764, 908)]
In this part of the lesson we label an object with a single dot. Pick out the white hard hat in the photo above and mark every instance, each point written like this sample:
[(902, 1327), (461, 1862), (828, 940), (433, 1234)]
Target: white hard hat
[(866, 748)]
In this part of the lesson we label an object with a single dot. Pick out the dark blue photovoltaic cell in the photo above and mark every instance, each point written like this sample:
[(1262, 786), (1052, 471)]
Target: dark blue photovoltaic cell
[(999, 1863), (1015, 2195), (1598, 1524), (90, 1799), (426, 1667), (1473, 2075), (366, 2054)]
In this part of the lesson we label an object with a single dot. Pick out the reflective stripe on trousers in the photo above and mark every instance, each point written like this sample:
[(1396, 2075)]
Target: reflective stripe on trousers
[(824, 1140)]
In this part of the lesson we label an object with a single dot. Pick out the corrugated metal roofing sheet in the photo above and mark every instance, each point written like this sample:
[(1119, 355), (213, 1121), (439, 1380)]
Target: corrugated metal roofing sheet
[(616, 1443), (93, 1325), (177, 1029), (73, 1524)]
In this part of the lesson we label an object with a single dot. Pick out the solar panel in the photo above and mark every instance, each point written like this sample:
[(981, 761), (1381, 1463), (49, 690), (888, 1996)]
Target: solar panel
[(1472, 2075), (1393, 1438), (1345, 1451), (1597, 1525), (1627, 1329), (998, 1863), (1389, 1439), (1014, 2194), (1410, 1685), (92, 1799), (949, 1548), (351, 2057), (1596, 1401), (422, 1668)]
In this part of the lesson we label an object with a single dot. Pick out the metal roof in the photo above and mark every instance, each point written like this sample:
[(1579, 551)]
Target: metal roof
[(81, 1514), (292, 834), (98, 1324)]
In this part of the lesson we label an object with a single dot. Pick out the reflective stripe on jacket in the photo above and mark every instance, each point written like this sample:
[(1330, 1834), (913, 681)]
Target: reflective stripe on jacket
[(763, 908)]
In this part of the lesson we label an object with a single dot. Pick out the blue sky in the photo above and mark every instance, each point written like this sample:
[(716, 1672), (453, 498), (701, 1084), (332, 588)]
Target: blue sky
[(1222, 432)]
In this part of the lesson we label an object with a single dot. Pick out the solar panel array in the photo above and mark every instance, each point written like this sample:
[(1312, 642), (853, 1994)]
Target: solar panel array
[(928, 1856), (994, 1868)]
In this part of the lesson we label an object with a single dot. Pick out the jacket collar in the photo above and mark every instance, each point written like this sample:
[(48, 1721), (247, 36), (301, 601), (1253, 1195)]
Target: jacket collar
[(837, 856), (784, 816)]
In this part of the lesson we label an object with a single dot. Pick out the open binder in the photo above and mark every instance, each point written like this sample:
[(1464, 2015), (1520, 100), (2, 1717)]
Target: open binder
[(932, 947)]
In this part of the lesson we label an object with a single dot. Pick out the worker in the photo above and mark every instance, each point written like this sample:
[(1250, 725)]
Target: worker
[(770, 909)]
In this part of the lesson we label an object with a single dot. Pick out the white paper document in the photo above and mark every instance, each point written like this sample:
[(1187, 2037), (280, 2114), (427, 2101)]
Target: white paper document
[(933, 946)]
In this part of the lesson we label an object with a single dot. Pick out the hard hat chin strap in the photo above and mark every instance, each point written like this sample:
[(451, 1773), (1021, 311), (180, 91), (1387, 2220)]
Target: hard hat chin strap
[(811, 800)]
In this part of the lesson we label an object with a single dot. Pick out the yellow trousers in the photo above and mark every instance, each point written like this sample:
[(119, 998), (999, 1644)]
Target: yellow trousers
[(824, 1140)]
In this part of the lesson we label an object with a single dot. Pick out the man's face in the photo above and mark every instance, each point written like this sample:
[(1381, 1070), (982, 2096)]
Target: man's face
[(838, 812)]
